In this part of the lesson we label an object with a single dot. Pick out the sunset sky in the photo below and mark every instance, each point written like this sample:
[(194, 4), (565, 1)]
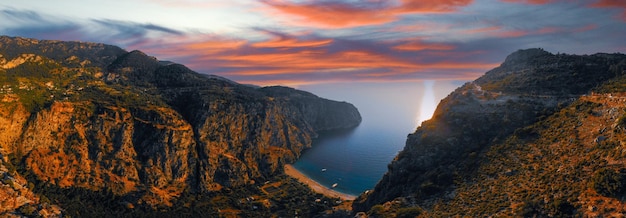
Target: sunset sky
[(306, 43)]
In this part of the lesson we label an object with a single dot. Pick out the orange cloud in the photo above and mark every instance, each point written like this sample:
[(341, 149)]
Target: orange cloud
[(610, 3), (284, 41), (500, 32), (340, 15), (333, 15), (214, 46), (484, 29), (419, 46), (298, 60), (533, 2), (512, 33), (431, 6), (619, 4), (307, 61)]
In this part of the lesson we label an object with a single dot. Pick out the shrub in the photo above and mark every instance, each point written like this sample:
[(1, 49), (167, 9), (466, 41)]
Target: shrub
[(608, 182), (621, 122), (376, 210), (530, 208), (563, 208), (28, 210), (409, 212)]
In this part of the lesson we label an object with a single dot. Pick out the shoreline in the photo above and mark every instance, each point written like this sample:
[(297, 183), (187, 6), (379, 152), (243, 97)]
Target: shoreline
[(315, 186)]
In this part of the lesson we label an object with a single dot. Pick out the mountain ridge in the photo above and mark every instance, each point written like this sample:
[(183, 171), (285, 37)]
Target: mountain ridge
[(93, 117), (449, 151)]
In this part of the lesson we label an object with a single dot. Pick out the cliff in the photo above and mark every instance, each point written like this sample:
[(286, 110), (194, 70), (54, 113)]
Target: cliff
[(95, 117), (467, 160)]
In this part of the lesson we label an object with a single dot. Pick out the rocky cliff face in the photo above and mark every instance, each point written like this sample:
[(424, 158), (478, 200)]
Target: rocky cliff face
[(17, 199), (450, 149), (96, 117)]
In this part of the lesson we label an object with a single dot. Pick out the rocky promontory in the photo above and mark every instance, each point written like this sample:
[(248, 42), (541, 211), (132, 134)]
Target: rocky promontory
[(486, 134), (98, 118)]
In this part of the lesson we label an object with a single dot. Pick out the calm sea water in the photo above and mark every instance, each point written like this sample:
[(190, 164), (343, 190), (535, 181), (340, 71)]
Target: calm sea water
[(354, 159), (357, 159)]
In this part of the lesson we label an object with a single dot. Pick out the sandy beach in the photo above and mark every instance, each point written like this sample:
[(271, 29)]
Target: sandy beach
[(293, 172)]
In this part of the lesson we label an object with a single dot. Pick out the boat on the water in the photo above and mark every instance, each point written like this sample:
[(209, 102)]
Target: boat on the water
[(323, 169), (334, 185)]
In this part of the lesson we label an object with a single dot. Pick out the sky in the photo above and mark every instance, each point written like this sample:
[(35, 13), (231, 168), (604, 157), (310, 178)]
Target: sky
[(308, 44)]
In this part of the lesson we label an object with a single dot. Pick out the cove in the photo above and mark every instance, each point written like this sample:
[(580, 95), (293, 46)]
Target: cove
[(354, 159)]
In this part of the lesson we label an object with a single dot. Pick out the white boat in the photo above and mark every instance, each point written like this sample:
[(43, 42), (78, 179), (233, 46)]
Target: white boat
[(334, 185), (323, 169)]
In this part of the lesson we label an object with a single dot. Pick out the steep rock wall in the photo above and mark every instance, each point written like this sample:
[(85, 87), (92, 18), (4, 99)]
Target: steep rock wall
[(529, 86), (124, 122)]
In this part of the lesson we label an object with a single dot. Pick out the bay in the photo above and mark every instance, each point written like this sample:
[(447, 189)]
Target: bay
[(356, 159)]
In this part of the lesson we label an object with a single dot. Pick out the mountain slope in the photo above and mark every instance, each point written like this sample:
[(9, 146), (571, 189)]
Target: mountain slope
[(94, 117), (443, 166)]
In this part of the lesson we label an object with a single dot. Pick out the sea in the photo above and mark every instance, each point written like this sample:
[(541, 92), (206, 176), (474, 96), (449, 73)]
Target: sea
[(353, 159), (356, 159)]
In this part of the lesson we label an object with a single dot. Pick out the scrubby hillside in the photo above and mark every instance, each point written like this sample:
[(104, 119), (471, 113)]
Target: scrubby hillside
[(513, 142)]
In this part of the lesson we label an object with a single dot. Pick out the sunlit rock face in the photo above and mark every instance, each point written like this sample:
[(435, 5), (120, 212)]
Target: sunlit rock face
[(97, 117), (448, 150)]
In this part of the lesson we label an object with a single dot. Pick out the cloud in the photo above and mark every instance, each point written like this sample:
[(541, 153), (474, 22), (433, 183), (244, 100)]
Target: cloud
[(307, 59), (20, 17), (333, 15), (188, 3), (33, 24), (611, 4), (402, 48), (43, 26), (419, 45), (431, 6), (503, 32), (618, 4), (280, 40), (533, 2), (342, 14)]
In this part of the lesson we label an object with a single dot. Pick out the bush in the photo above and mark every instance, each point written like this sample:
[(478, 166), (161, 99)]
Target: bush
[(530, 208), (621, 122), (409, 212), (28, 210), (563, 208), (376, 210), (608, 182)]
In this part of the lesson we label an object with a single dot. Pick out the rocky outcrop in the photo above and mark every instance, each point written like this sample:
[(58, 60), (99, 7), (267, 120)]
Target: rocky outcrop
[(321, 114), (446, 150), (137, 127), (16, 198)]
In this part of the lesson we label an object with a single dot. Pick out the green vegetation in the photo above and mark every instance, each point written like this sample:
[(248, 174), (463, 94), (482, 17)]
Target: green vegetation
[(246, 201), (376, 211), (88, 84), (609, 182), (27, 210), (409, 212), (395, 210), (621, 122), (548, 168), (555, 74)]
